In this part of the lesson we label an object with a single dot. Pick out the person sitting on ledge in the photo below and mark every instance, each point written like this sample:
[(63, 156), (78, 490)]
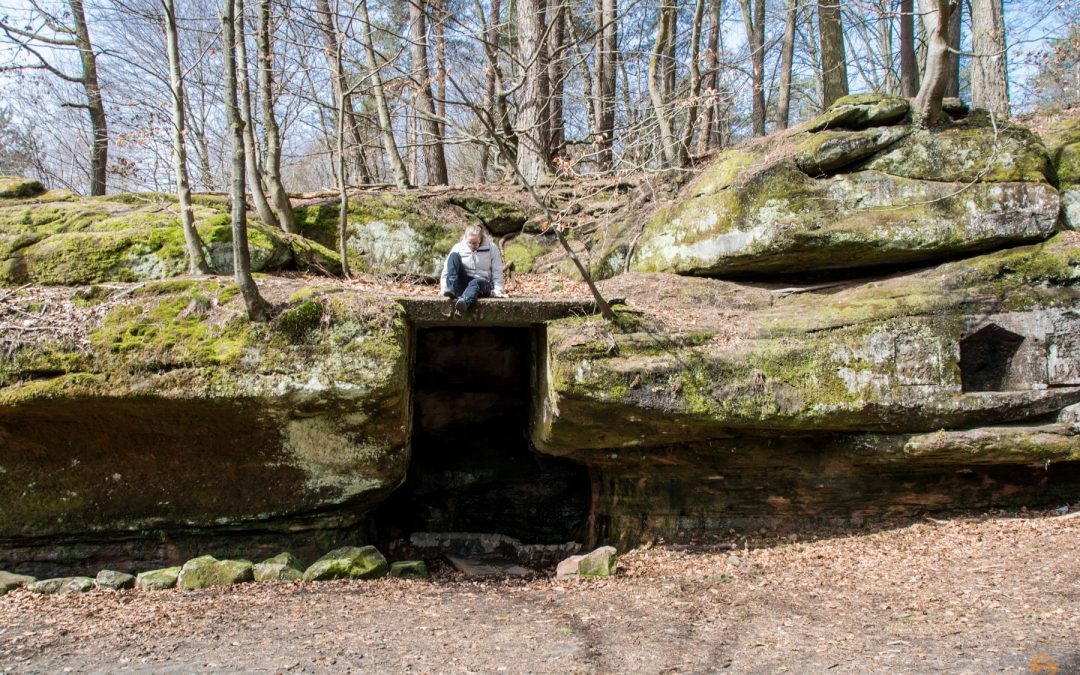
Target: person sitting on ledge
[(473, 269)]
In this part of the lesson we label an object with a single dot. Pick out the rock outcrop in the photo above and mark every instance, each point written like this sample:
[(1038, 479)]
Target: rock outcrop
[(848, 321), (852, 190)]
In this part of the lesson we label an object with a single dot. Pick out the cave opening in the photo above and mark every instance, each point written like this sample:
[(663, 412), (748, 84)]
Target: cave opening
[(986, 358), (472, 466)]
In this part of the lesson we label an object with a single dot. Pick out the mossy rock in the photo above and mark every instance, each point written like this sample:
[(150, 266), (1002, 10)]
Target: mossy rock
[(350, 562), (61, 585), (524, 251), (829, 151), (409, 569), (782, 221), (207, 571), (287, 427), (388, 233), (157, 580), (968, 151), (15, 187), (859, 111), (9, 581), (114, 581), (130, 237), (498, 217), (298, 322), (282, 567)]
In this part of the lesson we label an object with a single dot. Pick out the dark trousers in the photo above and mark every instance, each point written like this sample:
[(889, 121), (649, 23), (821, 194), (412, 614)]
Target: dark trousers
[(461, 284)]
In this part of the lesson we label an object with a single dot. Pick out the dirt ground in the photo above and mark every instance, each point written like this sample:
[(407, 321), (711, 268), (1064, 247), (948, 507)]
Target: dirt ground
[(976, 594)]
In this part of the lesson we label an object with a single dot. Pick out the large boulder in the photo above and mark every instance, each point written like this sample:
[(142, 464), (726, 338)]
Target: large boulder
[(842, 199), (61, 585)]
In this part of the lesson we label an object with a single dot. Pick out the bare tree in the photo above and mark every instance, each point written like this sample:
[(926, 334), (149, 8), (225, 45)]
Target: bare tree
[(989, 64), (955, 20), (668, 150), (709, 138), (936, 15), (257, 308), (251, 155), (534, 148), (279, 198), (754, 20), (196, 260), (604, 73), (787, 56), (833, 56), (386, 128), (47, 31), (909, 71), (431, 134)]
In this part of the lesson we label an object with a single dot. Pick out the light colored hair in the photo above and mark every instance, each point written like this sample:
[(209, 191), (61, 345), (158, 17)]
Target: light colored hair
[(475, 228)]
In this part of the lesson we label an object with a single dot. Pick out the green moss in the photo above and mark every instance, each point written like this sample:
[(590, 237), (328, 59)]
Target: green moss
[(523, 253), (296, 323), (14, 187), (172, 330), (302, 295)]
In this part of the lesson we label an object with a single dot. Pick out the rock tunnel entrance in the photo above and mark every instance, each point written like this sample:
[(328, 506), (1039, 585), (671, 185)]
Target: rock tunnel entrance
[(986, 358), (472, 467)]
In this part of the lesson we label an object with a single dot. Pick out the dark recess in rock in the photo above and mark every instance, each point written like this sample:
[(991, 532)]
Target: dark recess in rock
[(985, 357)]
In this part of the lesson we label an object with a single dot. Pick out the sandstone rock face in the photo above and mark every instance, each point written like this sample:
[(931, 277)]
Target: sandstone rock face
[(349, 562), (228, 422), (849, 197)]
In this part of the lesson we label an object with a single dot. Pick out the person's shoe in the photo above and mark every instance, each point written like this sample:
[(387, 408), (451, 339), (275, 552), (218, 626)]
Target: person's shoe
[(460, 307), (449, 294)]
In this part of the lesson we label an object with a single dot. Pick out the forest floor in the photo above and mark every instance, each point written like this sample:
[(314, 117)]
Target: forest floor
[(972, 594)]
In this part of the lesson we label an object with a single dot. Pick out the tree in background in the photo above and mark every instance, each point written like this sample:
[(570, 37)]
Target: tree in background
[(47, 31), (989, 68)]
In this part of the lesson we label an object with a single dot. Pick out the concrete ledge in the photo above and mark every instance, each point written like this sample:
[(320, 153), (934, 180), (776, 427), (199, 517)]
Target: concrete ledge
[(495, 311)]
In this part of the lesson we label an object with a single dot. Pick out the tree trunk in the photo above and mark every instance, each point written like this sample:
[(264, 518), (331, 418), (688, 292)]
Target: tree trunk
[(989, 66), (196, 259), (257, 308), (936, 17), (953, 86), (834, 82), (909, 70), (754, 20), (386, 129), (440, 67), (695, 84), (556, 40), (606, 67), (669, 64), (708, 140), (332, 50), (787, 54), (533, 148), (434, 158), (254, 174), (656, 91), (279, 198), (95, 105)]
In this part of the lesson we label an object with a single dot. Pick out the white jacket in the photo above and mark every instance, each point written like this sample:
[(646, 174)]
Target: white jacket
[(483, 263)]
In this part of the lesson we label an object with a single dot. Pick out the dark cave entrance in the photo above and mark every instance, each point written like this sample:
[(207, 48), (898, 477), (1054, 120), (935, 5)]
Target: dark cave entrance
[(986, 358), (472, 467)]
